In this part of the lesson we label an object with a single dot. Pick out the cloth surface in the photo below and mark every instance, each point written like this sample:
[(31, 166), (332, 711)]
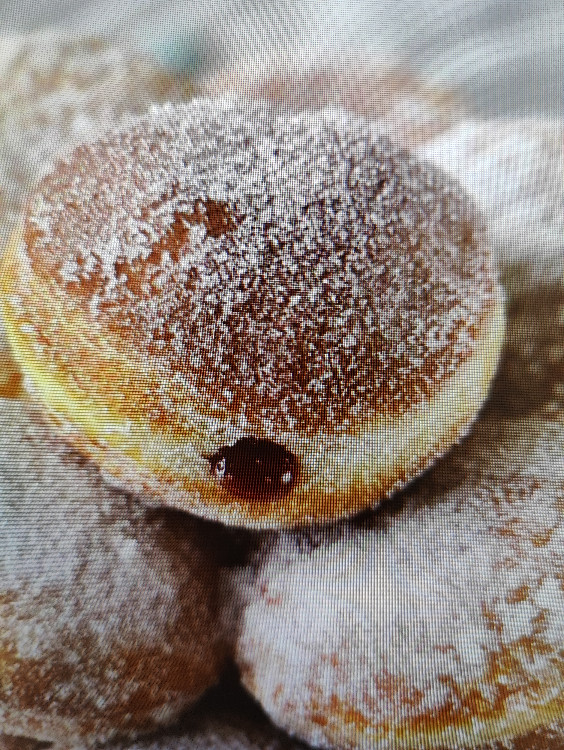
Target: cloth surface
[(507, 56)]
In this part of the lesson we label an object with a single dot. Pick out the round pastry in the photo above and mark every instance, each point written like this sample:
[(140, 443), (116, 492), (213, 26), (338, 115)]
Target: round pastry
[(57, 90), (515, 172), (437, 621), (267, 320), (408, 110), (108, 613)]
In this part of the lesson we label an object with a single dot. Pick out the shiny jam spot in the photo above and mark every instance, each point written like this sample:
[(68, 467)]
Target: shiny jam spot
[(255, 466), (219, 468)]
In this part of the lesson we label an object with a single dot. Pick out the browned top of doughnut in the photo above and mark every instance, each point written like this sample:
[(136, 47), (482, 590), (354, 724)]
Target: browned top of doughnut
[(298, 269)]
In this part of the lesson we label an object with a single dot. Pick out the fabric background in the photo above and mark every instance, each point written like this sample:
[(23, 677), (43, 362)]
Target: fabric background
[(507, 56)]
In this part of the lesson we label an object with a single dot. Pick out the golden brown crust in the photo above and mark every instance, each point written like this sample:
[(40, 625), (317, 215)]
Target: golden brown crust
[(388, 305), (11, 385)]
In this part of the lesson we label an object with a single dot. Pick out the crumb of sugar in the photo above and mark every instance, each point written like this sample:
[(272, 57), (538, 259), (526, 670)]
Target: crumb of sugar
[(259, 242)]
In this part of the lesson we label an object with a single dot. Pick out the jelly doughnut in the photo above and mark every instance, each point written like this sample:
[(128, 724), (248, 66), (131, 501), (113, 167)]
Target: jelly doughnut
[(264, 319), (438, 620), (109, 619)]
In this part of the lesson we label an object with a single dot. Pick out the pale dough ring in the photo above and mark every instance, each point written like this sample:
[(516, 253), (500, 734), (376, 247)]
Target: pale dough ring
[(264, 319)]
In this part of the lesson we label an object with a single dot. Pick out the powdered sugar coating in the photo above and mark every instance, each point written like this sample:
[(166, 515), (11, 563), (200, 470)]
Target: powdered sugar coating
[(57, 90), (107, 613), (438, 620), (296, 269)]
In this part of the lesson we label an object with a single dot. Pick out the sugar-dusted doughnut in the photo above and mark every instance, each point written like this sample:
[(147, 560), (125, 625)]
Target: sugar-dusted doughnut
[(108, 612), (437, 621), (56, 90), (264, 319)]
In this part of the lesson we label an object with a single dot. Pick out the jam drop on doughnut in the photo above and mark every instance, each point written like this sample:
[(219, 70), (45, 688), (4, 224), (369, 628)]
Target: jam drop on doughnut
[(258, 466)]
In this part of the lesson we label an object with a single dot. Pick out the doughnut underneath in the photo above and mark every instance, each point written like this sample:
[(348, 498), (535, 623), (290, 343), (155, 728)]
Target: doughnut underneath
[(107, 613), (438, 621), (57, 90), (225, 719), (267, 320)]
